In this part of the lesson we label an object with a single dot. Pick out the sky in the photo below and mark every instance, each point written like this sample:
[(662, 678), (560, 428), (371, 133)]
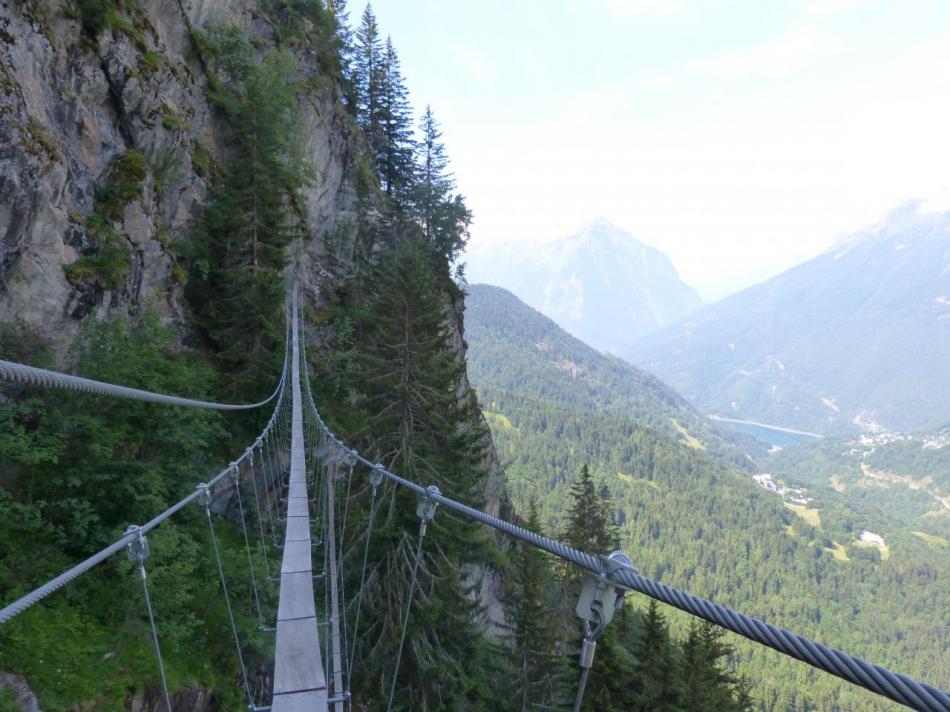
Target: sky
[(739, 137)]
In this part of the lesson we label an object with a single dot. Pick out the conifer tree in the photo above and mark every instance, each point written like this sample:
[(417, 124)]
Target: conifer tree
[(394, 154), (655, 674), (591, 529), (367, 72), (536, 668), (239, 251), (443, 216), (420, 428), (707, 685)]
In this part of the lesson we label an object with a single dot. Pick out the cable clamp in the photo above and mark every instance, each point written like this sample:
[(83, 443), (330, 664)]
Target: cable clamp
[(137, 549), (425, 510), (233, 472), (204, 495), (376, 475), (600, 596)]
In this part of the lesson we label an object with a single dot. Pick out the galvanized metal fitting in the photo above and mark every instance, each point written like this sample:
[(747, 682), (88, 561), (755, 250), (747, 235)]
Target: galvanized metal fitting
[(204, 495), (137, 549), (376, 475), (425, 510), (600, 596), (233, 472)]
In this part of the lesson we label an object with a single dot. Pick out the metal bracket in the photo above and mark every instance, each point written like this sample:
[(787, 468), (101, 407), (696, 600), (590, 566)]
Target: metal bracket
[(138, 550), (425, 510), (204, 495), (600, 596), (234, 473), (376, 475)]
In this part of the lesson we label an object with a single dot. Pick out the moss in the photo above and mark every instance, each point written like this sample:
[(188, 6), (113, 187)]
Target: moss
[(150, 62), (96, 15), (203, 162), (8, 701), (179, 274), (173, 122), (37, 140), (123, 185), (110, 267)]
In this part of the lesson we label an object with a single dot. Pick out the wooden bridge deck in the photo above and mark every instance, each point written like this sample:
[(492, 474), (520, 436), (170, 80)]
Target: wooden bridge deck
[(299, 681)]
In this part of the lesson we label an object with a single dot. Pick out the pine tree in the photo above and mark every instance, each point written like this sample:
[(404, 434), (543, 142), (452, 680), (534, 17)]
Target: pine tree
[(589, 526), (394, 153), (534, 631), (443, 216), (239, 251), (707, 684), (655, 674), (417, 425), (367, 73), (591, 529)]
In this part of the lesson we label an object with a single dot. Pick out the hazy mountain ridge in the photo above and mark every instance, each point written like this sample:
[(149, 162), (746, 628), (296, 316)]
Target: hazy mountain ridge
[(856, 337), (516, 348), (600, 284)]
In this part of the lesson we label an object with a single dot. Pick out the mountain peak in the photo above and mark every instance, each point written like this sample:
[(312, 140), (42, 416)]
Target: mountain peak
[(600, 283)]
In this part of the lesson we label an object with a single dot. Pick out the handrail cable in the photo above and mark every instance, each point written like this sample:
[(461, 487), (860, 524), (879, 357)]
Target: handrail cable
[(38, 594), (21, 373)]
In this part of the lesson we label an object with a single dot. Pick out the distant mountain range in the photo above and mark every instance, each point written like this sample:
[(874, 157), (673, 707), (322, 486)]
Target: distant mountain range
[(601, 284), (856, 338)]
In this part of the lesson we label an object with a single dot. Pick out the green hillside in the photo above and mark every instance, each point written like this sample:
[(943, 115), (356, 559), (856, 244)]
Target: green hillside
[(688, 518)]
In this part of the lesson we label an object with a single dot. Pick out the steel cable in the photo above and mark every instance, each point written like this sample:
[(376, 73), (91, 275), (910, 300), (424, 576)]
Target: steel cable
[(21, 373)]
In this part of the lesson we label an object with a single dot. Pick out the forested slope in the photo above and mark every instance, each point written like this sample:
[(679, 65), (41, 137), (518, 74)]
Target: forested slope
[(691, 520)]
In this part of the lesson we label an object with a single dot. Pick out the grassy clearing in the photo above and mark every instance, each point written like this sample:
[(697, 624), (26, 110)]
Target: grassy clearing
[(498, 420), (936, 542), (840, 551), (883, 548), (693, 442), (631, 479), (810, 515)]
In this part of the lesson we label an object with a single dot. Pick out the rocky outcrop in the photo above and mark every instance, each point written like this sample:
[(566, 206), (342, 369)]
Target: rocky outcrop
[(70, 106), (23, 696)]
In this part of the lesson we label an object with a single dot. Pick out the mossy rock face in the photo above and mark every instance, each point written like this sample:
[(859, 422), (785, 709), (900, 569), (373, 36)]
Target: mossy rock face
[(123, 185), (111, 264)]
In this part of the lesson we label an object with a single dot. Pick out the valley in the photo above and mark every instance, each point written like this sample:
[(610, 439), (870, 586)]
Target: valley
[(695, 517)]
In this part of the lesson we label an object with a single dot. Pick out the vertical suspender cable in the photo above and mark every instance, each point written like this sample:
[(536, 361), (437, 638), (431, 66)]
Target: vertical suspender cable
[(205, 498), (236, 478)]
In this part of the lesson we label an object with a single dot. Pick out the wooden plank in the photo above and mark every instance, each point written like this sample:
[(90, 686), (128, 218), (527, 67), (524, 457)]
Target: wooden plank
[(296, 597), (296, 557), (298, 529), (297, 507), (299, 680), (297, 663), (300, 701), (297, 489)]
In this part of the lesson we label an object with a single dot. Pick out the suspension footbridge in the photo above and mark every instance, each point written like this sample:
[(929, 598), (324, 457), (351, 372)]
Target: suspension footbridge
[(296, 477)]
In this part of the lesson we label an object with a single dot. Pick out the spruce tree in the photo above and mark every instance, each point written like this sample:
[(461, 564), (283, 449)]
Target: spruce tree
[(655, 673), (591, 529), (395, 151), (239, 250), (707, 685), (417, 425), (536, 669), (367, 78), (444, 218)]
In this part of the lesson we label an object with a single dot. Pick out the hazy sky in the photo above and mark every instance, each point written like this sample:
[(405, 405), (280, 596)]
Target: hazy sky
[(739, 137)]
